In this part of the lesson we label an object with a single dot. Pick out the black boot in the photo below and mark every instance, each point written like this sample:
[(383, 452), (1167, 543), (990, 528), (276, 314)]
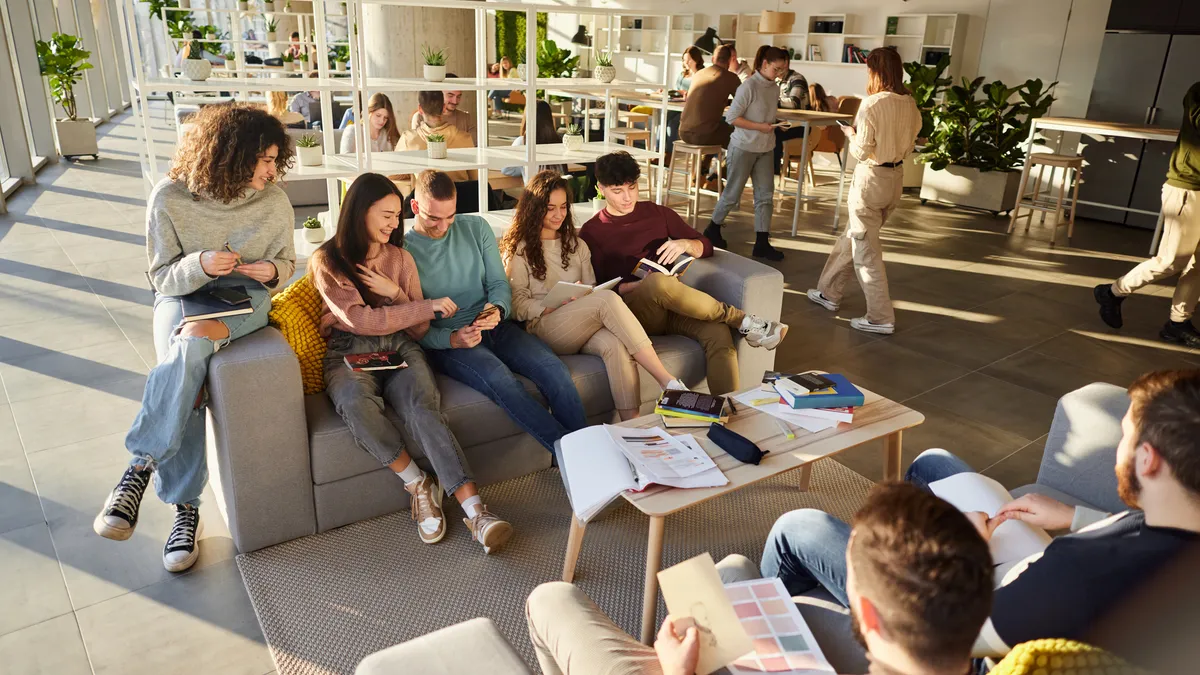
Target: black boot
[(1110, 305), (1182, 333), (764, 249), (713, 234)]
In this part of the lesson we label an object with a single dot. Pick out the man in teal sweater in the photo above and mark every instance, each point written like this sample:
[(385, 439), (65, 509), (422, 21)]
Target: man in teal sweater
[(1180, 238), (457, 257)]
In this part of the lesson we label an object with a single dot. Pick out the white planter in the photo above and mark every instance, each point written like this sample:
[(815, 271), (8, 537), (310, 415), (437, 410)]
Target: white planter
[(76, 137), (287, 66), (994, 191), (211, 37), (314, 235), (437, 150), (605, 74), (339, 66), (914, 171), (522, 70), (435, 73), (244, 6), (230, 64), (598, 203), (196, 70), (573, 142), (268, 7), (270, 36), (184, 4), (310, 156)]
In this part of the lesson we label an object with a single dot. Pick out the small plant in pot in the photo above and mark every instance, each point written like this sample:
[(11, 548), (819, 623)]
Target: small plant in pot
[(435, 63), (195, 67), (268, 7), (288, 60), (308, 148), (230, 60), (605, 72), (303, 65), (272, 26), (185, 4), (341, 57), (62, 61), (243, 6), (573, 139), (436, 146), (314, 232)]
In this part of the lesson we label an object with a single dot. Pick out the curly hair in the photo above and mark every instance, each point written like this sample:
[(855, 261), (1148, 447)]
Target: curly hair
[(218, 156), (525, 235)]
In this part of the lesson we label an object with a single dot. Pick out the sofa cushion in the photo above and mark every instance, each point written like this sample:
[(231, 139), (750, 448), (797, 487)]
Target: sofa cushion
[(474, 419), (1062, 657), (457, 650), (296, 312)]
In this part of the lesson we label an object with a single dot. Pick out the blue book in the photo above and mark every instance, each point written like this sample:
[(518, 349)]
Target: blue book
[(845, 395)]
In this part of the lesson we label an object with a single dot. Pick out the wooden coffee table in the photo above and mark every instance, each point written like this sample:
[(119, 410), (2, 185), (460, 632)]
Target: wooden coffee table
[(877, 418)]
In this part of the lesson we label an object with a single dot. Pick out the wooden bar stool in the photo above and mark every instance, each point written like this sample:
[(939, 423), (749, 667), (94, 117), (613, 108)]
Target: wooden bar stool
[(628, 136), (1072, 167), (693, 161)]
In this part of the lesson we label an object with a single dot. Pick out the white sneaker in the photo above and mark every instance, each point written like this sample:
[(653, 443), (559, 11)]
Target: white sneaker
[(181, 550), (865, 326), (488, 530), (675, 385), (815, 296), (426, 507), (760, 332)]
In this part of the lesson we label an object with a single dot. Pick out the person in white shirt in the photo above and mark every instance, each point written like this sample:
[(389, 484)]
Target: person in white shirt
[(381, 127)]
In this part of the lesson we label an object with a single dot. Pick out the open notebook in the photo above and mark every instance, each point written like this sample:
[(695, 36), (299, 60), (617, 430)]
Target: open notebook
[(1013, 540)]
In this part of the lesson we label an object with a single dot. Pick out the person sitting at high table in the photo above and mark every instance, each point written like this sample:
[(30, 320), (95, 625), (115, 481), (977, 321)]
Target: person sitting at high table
[(277, 107), (432, 104), (703, 121), (480, 345), (626, 231), (381, 127), (461, 119), (793, 95), (373, 303), (547, 132), (308, 104)]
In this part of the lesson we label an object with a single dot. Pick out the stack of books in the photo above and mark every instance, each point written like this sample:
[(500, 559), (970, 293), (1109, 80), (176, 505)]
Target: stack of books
[(691, 409), (819, 396)]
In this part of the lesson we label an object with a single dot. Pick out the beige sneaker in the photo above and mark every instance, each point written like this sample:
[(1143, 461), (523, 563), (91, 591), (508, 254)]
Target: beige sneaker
[(426, 509), (489, 530)]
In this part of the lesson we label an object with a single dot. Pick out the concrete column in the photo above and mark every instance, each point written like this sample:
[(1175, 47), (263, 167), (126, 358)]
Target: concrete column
[(16, 147), (33, 87), (393, 37)]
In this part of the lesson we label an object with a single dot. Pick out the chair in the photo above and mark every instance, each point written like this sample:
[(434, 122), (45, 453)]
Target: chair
[(820, 141), (1072, 167), (515, 99), (628, 136), (692, 163)]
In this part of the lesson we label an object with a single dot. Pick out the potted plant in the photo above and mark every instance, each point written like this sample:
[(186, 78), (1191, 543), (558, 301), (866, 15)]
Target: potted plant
[(210, 35), (435, 63), (195, 67), (185, 4), (268, 6), (926, 84), (272, 26), (303, 65), (230, 60), (555, 62), (598, 202), (314, 233), (243, 6), (341, 56), (605, 72), (974, 152), (308, 150), (573, 139), (62, 60), (288, 59), (436, 146), (287, 6)]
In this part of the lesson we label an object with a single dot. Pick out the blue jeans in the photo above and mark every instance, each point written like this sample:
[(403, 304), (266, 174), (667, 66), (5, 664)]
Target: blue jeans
[(489, 366), (741, 166), (168, 434), (807, 548)]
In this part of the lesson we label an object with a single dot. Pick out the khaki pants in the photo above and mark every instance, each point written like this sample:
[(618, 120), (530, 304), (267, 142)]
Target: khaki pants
[(874, 194), (602, 325), (1176, 253), (666, 306)]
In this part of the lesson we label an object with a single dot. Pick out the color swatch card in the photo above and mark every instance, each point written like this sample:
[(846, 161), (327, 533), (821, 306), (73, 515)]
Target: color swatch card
[(782, 641), (696, 597)]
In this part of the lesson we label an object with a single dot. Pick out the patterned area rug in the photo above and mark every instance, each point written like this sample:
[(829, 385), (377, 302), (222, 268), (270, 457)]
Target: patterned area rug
[(328, 600)]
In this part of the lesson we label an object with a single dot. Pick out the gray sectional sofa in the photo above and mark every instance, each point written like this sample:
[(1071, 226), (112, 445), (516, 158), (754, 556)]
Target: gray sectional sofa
[(284, 464)]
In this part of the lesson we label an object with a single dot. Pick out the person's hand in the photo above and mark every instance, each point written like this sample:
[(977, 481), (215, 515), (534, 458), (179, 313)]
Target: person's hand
[(677, 656), (848, 130), (465, 337), (627, 287), (445, 307), (218, 263), (551, 309), (490, 321), (377, 283), (670, 251), (985, 525), (262, 271), (1040, 511), (766, 128)]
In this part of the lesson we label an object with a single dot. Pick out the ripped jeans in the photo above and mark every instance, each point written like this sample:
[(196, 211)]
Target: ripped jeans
[(168, 433)]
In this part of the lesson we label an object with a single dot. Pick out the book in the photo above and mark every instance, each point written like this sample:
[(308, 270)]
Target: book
[(783, 642), (565, 290), (893, 24), (216, 303), (835, 414), (811, 381), (845, 395), (1013, 540), (374, 361), (646, 267), (672, 422), (692, 404), (696, 598), (601, 462)]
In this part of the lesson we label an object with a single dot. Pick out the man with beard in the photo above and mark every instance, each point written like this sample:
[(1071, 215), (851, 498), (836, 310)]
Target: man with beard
[(1082, 579)]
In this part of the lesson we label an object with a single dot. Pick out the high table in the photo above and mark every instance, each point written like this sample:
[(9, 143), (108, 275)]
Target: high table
[(1098, 128)]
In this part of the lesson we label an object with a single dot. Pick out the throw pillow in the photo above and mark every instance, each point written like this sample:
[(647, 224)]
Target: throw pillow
[(296, 312), (1062, 657)]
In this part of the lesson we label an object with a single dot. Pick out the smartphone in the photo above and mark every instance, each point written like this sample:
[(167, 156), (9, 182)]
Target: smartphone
[(230, 296), (845, 123), (487, 313)]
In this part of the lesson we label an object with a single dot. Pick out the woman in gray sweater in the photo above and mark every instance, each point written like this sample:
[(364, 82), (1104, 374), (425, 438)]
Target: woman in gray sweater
[(216, 221)]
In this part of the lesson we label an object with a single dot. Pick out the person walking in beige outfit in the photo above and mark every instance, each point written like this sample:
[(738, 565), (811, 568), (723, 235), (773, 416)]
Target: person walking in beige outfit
[(884, 133), (543, 248)]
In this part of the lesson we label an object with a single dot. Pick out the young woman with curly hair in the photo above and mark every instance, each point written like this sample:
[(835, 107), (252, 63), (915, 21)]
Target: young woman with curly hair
[(217, 220), (543, 248)]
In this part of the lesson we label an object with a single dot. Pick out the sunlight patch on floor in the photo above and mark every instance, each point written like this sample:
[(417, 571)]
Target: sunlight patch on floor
[(1083, 253), (960, 314), (1135, 341)]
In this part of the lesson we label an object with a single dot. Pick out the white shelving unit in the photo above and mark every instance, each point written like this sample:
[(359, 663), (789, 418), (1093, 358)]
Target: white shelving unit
[(247, 82)]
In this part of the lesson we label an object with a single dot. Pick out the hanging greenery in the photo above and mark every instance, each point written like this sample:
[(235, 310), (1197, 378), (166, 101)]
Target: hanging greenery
[(510, 34)]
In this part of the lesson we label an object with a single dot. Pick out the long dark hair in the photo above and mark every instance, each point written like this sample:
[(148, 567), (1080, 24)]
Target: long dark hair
[(525, 235), (547, 130), (348, 248)]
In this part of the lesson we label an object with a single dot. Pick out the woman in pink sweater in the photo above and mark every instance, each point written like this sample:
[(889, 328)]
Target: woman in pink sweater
[(373, 303)]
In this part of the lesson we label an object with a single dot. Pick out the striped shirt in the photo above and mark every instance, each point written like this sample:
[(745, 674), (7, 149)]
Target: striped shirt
[(886, 129), (346, 309)]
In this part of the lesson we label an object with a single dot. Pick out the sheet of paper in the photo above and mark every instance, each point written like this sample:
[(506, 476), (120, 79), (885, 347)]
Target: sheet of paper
[(693, 590), (1013, 540), (594, 469), (659, 454), (714, 477), (783, 642), (758, 398)]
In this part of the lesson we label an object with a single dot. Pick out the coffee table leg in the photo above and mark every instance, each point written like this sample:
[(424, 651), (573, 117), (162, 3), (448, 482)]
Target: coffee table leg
[(891, 456), (654, 547), (574, 544), (805, 477)]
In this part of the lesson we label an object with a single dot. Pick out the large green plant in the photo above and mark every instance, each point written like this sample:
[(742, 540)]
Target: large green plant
[(555, 62), (62, 61), (926, 84), (985, 132)]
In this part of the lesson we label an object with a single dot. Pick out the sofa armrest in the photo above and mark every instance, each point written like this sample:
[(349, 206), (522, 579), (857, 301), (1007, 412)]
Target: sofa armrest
[(750, 285), (1081, 448), (467, 648), (258, 441)]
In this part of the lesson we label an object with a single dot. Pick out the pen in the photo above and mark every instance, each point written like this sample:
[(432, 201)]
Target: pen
[(230, 249), (787, 431)]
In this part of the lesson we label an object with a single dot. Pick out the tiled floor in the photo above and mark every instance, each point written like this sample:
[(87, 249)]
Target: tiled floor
[(993, 329)]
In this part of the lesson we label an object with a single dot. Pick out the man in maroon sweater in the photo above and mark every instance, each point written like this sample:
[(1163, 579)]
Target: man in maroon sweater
[(627, 231)]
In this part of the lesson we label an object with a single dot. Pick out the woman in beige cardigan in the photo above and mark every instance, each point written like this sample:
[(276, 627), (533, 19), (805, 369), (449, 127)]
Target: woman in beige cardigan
[(543, 248)]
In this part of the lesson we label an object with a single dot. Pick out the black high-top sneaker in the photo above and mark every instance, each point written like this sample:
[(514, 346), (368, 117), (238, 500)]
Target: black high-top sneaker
[(713, 234), (119, 516), (181, 550)]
